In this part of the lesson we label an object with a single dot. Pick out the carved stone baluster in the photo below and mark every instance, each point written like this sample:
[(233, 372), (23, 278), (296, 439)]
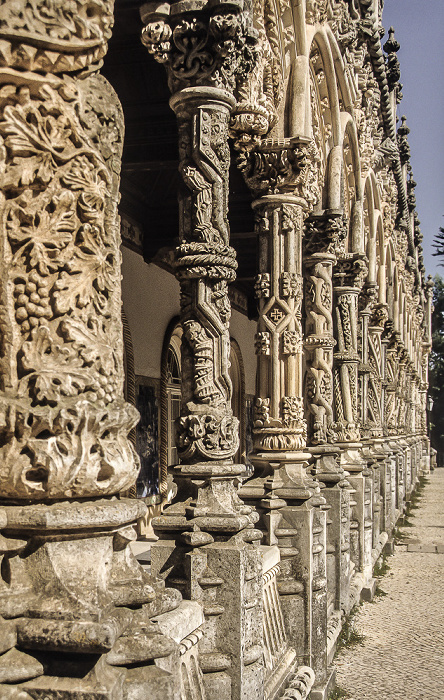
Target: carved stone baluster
[(205, 547), (78, 604)]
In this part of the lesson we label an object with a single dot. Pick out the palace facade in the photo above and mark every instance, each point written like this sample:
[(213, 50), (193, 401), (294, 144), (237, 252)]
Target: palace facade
[(212, 303)]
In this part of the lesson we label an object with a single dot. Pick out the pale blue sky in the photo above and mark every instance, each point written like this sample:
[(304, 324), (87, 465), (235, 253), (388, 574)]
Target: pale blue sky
[(419, 28)]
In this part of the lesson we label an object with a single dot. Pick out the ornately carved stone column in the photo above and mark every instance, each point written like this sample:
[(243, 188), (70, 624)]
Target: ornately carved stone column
[(373, 316), (324, 238), (283, 180), (205, 545), (75, 606), (348, 277)]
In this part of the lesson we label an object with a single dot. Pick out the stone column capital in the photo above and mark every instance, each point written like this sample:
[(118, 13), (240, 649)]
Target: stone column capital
[(200, 42), (325, 234), (350, 271), (283, 167)]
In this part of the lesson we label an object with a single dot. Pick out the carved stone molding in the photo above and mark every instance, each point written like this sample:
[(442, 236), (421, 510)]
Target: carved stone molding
[(54, 37)]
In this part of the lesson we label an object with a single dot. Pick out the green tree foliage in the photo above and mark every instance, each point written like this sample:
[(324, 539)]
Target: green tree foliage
[(436, 365), (438, 244)]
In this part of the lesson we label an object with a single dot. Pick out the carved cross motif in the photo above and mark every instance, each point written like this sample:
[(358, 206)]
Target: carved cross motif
[(276, 315)]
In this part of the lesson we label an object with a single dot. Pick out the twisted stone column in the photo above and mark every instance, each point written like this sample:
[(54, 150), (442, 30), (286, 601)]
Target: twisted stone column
[(77, 604), (205, 541)]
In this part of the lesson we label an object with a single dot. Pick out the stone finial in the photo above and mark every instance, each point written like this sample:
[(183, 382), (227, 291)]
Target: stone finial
[(404, 148), (391, 45)]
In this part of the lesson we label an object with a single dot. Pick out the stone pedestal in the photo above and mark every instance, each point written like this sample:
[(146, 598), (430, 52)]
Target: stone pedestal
[(226, 578), (338, 543), (361, 525), (78, 603)]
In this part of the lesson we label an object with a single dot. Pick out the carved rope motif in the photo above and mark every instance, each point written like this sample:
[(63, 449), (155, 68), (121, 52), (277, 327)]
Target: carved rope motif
[(204, 264)]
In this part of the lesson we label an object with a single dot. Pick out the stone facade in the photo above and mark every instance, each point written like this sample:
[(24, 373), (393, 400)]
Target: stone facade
[(254, 568)]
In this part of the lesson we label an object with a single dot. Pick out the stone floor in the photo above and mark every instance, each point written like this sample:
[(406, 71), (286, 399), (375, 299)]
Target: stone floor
[(401, 657)]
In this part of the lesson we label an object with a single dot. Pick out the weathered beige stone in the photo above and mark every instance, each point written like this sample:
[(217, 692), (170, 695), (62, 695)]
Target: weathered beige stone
[(259, 570)]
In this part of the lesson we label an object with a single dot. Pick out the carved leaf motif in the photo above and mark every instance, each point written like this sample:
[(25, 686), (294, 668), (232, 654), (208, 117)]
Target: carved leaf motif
[(91, 186), (31, 129), (39, 237), (91, 344), (27, 171), (92, 279), (81, 448), (53, 369)]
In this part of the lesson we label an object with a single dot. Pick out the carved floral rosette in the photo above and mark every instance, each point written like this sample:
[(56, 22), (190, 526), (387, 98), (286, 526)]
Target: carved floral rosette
[(63, 420)]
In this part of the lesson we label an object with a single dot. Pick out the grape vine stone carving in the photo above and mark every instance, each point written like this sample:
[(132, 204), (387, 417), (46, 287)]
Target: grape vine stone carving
[(63, 421)]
